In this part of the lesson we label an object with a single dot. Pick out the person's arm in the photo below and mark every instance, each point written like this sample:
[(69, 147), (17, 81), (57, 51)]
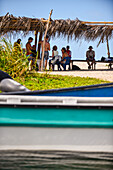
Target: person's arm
[(48, 47), (20, 49), (69, 53), (62, 56), (52, 54), (28, 48)]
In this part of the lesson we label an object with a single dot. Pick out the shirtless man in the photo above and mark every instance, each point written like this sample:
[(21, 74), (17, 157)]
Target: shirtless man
[(29, 53), (28, 47), (46, 49)]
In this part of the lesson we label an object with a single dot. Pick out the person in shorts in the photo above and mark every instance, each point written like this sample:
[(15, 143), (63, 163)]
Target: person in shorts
[(90, 57), (46, 50), (29, 53)]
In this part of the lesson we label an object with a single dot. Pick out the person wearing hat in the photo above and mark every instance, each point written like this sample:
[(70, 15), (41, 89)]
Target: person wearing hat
[(90, 57)]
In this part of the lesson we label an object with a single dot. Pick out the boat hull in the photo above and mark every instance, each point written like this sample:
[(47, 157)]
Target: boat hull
[(54, 138), (56, 116), (56, 123)]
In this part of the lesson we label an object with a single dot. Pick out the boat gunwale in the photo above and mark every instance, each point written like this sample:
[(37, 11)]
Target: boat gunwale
[(57, 106), (58, 90)]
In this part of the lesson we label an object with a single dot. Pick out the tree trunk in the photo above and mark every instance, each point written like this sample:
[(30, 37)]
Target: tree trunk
[(108, 47)]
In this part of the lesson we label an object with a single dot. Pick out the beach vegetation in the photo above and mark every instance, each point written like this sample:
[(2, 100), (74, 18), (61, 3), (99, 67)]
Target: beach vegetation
[(12, 61), (16, 65)]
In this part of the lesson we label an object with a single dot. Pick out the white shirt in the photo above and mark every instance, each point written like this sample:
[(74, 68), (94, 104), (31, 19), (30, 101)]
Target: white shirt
[(55, 53)]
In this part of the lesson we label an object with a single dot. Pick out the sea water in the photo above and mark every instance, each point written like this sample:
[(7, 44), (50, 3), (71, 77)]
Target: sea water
[(53, 160)]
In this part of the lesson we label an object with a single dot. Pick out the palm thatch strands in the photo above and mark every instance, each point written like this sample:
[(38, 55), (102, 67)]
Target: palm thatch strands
[(72, 29), (9, 23)]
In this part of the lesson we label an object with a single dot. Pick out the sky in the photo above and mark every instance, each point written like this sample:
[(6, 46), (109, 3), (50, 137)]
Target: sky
[(84, 10)]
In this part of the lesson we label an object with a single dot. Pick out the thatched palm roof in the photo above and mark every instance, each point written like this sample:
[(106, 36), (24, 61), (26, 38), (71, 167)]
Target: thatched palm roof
[(71, 28), (9, 23)]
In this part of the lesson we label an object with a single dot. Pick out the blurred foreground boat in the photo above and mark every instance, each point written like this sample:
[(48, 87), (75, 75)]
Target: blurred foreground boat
[(99, 90), (58, 123)]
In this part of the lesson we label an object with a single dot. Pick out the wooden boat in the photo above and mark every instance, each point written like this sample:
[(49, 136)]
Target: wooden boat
[(56, 123)]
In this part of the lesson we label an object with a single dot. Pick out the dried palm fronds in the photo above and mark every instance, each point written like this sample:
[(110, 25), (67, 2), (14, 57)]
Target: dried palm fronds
[(75, 29)]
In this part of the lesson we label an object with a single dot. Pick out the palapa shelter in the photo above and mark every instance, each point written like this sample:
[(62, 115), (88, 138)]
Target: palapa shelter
[(72, 29)]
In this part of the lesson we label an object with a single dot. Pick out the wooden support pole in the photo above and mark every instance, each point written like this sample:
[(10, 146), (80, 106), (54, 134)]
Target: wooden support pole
[(39, 44), (36, 38), (86, 22), (108, 46), (83, 22), (47, 26)]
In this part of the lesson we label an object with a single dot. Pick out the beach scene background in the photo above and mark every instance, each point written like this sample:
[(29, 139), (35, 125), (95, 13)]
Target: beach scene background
[(88, 10), (84, 10)]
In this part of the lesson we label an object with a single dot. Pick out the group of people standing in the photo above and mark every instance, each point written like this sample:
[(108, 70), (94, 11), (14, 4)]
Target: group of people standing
[(55, 59)]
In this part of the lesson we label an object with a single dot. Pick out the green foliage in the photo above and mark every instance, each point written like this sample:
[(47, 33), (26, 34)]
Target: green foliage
[(15, 64), (36, 81), (12, 60)]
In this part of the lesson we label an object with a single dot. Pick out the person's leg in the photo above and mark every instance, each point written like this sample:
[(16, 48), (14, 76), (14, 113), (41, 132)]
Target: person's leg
[(33, 62), (64, 66), (50, 64), (45, 63), (46, 57), (30, 59), (53, 67), (93, 64), (61, 65), (88, 62), (30, 64), (58, 65)]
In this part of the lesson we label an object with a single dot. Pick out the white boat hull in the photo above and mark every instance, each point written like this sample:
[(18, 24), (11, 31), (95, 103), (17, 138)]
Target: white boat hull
[(68, 139)]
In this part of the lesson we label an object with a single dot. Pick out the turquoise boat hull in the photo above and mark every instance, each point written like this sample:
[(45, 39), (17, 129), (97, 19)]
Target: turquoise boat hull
[(56, 111), (56, 117)]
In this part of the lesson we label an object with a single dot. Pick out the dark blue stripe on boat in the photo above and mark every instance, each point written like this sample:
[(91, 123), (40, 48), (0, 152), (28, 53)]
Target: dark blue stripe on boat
[(99, 90)]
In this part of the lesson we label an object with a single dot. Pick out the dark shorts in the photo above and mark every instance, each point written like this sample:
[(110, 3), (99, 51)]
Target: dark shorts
[(90, 59), (29, 57), (46, 55)]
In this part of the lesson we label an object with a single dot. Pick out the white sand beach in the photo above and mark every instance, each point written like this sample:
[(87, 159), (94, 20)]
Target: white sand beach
[(102, 72), (103, 75)]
